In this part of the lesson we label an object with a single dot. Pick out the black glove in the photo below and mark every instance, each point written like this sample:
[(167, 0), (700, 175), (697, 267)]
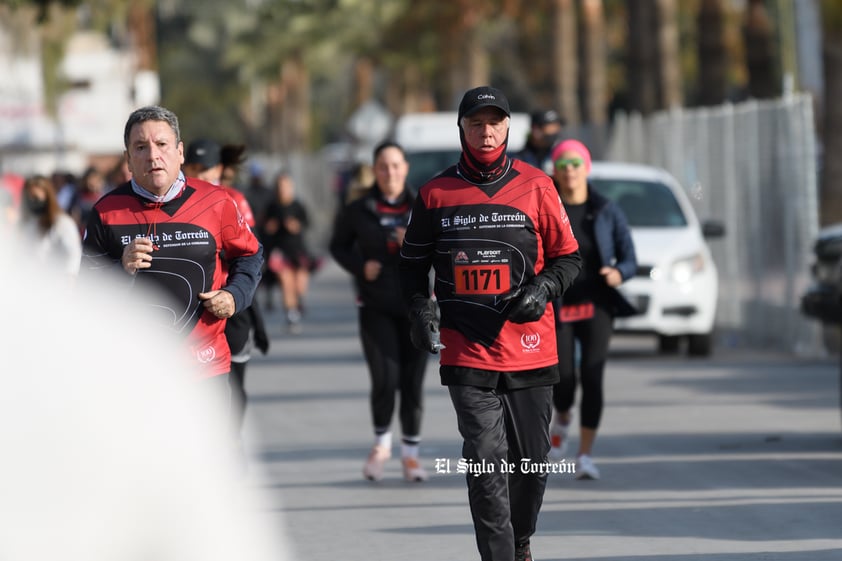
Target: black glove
[(424, 325), (528, 302)]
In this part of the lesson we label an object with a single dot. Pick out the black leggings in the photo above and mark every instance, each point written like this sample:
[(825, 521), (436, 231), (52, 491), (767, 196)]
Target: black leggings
[(593, 335), (394, 364)]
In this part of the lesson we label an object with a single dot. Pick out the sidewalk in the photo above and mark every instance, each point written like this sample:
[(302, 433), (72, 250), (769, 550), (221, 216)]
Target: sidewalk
[(736, 458)]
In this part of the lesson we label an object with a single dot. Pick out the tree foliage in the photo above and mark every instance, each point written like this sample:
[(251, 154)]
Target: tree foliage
[(223, 63), (43, 7)]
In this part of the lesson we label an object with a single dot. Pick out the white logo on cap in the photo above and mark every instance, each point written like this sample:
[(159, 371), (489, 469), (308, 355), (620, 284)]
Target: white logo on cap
[(486, 96)]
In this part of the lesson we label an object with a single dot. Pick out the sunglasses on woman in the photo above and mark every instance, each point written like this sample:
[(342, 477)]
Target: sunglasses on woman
[(564, 162)]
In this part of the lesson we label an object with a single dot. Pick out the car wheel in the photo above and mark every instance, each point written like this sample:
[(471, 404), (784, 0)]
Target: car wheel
[(700, 345), (668, 344)]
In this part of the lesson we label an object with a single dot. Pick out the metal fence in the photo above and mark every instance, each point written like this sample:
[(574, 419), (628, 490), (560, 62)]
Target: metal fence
[(752, 166)]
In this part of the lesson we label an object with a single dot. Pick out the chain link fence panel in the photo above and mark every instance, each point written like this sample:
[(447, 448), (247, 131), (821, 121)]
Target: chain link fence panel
[(752, 166)]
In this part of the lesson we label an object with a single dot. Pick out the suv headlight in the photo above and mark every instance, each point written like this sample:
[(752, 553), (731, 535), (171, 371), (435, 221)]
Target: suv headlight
[(826, 272), (681, 270)]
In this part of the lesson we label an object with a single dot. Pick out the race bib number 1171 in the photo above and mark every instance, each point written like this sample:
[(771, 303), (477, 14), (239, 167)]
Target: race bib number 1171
[(481, 271)]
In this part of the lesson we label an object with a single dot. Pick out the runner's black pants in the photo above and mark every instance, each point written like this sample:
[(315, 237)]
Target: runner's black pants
[(498, 426), (238, 330), (594, 336), (394, 365)]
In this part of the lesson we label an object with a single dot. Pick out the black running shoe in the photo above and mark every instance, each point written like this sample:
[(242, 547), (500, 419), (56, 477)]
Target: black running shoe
[(522, 552)]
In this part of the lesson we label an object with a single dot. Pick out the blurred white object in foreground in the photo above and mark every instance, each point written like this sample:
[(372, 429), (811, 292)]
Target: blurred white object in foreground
[(112, 448)]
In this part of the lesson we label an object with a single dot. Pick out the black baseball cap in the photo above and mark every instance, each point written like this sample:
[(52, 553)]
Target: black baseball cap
[(204, 152), (546, 117), (483, 96)]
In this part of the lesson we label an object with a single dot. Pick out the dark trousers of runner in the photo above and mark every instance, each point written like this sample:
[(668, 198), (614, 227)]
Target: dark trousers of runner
[(503, 426), (594, 336), (237, 381), (395, 365), (238, 331)]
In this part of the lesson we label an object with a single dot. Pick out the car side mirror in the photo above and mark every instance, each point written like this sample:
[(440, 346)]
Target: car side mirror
[(713, 229)]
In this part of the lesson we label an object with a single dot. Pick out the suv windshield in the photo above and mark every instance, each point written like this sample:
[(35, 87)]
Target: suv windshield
[(423, 166), (645, 203)]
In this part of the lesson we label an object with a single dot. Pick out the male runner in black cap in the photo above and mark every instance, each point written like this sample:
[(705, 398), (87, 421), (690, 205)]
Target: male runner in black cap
[(494, 230)]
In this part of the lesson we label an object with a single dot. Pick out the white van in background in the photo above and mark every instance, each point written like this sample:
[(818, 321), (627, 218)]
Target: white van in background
[(431, 141)]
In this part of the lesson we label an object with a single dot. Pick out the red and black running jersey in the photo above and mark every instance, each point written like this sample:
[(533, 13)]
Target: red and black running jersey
[(197, 237), (242, 205), (484, 241)]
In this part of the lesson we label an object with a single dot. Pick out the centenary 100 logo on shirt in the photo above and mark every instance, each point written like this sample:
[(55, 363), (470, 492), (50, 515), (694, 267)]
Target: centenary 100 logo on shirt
[(530, 342)]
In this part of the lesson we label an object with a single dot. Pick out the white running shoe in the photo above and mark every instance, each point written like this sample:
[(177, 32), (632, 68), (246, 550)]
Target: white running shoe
[(585, 468), (373, 468), (294, 322), (558, 441), (412, 470)]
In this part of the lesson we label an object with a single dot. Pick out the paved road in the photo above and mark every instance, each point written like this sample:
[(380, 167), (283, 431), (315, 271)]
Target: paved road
[(736, 458)]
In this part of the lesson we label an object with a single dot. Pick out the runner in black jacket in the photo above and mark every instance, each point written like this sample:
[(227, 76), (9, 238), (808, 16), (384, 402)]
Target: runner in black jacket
[(366, 242)]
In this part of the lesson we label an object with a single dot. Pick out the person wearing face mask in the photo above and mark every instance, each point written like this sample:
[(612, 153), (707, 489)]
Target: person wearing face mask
[(494, 231), (544, 131), (366, 240), (50, 232)]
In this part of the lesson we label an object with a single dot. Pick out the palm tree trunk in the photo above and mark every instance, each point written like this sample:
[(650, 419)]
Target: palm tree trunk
[(295, 106), (363, 80), (141, 20), (463, 52), (712, 87), (758, 35), (831, 180), (533, 70), (408, 92), (476, 57), (594, 73), (669, 68), (642, 56), (565, 61)]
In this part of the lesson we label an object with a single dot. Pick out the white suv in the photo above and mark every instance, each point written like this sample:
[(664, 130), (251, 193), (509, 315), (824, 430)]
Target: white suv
[(676, 285)]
